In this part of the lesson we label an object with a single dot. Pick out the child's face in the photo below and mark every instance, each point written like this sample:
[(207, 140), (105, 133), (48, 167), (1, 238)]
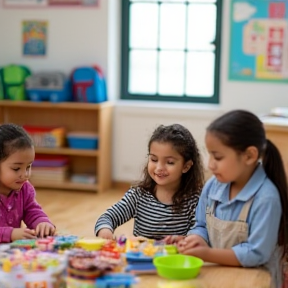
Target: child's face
[(224, 162), (166, 165), (16, 170)]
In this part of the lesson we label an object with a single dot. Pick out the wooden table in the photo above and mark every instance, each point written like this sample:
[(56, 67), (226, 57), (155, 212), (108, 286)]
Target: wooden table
[(213, 276)]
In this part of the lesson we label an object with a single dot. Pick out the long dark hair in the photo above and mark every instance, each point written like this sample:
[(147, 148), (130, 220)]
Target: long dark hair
[(240, 129), (183, 142), (13, 138)]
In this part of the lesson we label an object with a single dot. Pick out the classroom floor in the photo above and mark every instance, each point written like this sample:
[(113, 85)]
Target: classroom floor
[(75, 212)]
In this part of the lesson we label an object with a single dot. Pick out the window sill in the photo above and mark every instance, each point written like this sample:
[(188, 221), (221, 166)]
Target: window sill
[(171, 108)]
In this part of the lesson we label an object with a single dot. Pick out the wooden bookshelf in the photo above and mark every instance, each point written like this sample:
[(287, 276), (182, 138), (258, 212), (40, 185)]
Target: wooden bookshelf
[(67, 185), (67, 151), (75, 117), (278, 134)]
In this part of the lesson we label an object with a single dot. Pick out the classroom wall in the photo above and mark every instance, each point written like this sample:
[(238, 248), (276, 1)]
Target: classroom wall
[(76, 36), (86, 36), (134, 123)]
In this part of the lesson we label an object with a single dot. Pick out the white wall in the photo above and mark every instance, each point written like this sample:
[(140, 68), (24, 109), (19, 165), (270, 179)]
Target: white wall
[(76, 36), (133, 126), (85, 36)]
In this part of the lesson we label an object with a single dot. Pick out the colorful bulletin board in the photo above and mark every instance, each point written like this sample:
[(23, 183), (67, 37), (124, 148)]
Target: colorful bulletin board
[(259, 40), (49, 3), (34, 34)]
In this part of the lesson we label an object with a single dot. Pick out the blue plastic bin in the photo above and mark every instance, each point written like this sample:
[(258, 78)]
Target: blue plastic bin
[(53, 87), (116, 280), (82, 140)]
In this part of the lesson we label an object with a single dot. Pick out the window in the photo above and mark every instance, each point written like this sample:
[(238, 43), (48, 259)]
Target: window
[(171, 50)]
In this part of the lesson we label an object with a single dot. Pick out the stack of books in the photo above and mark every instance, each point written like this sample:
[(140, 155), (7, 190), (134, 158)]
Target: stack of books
[(50, 168), (83, 178), (278, 116)]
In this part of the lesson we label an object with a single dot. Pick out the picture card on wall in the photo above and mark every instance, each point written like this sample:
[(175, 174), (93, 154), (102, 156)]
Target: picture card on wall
[(48, 3), (74, 2), (34, 35), (25, 3)]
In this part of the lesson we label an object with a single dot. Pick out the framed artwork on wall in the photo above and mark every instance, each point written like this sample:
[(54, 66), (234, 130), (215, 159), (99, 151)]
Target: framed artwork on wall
[(24, 3), (34, 38), (49, 3), (259, 40), (73, 2)]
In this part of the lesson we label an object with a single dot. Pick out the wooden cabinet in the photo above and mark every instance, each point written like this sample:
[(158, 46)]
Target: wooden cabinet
[(278, 134), (88, 117)]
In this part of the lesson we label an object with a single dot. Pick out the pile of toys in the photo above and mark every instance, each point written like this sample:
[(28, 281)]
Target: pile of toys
[(67, 261), (32, 268), (140, 254)]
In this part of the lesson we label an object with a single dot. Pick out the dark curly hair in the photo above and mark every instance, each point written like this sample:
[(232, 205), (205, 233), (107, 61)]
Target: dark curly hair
[(184, 143), (13, 138)]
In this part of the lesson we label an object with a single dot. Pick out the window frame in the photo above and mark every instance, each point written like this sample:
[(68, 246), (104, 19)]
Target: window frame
[(157, 97)]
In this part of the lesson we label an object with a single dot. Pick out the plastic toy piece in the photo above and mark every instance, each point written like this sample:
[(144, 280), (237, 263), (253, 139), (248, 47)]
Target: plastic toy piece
[(64, 242), (141, 268), (91, 244), (45, 244), (132, 245), (121, 243), (78, 282), (171, 249), (137, 257), (150, 250), (116, 280), (24, 244)]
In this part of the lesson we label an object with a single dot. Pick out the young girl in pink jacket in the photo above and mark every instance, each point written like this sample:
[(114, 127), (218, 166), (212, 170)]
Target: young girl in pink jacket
[(17, 195)]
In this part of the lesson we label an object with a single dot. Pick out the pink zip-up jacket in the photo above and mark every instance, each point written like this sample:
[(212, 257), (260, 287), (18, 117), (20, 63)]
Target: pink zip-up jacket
[(17, 206)]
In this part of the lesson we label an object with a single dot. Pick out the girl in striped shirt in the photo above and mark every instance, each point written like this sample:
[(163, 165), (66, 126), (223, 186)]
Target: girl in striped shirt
[(164, 201)]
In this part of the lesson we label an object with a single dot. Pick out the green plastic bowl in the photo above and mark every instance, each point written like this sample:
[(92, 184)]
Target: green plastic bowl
[(178, 267)]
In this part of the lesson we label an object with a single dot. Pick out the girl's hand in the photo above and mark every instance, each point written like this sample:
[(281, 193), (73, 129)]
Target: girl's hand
[(44, 229), (199, 251), (191, 242), (173, 239), (105, 234), (22, 233)]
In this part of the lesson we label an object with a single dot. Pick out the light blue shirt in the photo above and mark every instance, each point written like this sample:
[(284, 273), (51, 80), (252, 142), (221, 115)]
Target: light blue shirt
[(263, 218)]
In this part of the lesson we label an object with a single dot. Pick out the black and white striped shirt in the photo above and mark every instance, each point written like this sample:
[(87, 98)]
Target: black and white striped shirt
[(152, 219)]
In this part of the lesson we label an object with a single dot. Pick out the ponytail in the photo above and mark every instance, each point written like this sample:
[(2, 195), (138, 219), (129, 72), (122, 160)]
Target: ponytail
[(274, 168)]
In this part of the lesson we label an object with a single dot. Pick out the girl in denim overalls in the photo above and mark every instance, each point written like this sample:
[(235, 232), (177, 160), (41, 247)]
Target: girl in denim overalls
[(241, 218)]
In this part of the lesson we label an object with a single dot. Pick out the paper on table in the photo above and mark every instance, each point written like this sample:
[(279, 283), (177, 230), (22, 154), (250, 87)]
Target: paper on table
[(283, 121), (279, 111)]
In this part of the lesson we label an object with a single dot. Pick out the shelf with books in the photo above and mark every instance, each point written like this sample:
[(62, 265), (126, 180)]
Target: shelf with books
[(73, 116), (65, 185), (67, 151)]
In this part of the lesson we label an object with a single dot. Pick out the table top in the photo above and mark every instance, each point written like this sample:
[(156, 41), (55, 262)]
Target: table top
[(213, 276)]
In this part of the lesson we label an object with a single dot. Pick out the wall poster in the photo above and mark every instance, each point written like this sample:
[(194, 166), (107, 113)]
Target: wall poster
[(49, 3), (259, 40), (24, 3), (34, 35)]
